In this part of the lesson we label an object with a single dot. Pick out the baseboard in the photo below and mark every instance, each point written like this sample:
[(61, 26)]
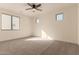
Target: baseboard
[(17, 38)]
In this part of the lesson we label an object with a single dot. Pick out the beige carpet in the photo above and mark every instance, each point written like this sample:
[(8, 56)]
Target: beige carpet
[(32, 45), (37, 46), (62, 48)]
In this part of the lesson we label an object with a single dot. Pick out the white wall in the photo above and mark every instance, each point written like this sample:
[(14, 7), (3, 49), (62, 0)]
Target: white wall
[(65, 30), (25, 28)]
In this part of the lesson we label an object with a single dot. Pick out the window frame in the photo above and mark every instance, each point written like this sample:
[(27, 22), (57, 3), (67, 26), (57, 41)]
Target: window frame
[(11, 22), (60, 14)]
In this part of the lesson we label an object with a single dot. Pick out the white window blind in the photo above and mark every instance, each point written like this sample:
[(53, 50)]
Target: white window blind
[(15, 23), (6, 22), (10, 22)]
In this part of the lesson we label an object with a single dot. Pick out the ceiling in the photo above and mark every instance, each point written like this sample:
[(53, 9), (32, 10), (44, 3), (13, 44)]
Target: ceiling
[(20, 8)]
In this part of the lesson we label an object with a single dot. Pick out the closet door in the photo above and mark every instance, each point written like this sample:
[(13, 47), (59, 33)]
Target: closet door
[(15, 23), (6, 22)]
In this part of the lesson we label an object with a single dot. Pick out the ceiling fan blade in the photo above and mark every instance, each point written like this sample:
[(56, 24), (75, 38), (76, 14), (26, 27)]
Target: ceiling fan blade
[(30, 4), (38, 5), (29, 8), (39, 9)]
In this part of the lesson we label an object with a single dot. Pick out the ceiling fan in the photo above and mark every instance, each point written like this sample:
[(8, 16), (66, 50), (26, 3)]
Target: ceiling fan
[(34, 6)]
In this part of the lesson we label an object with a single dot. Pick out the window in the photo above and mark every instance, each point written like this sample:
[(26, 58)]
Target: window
[(10, 22), (6, 22), (60, 17), (15, 23)]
